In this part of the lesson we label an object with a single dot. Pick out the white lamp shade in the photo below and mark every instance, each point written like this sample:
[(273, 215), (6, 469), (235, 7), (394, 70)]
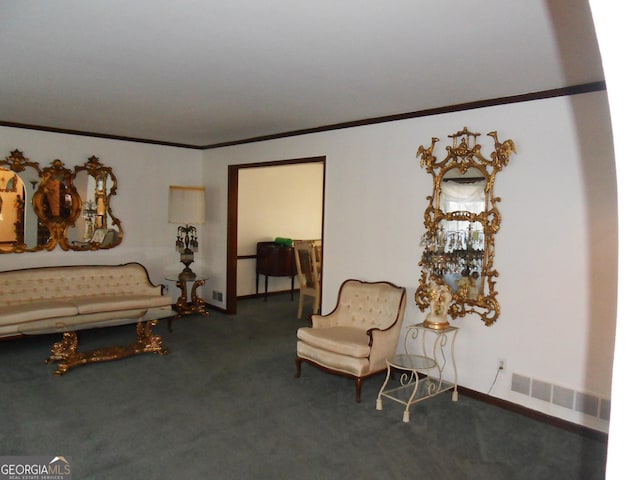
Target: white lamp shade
[(186, 205)]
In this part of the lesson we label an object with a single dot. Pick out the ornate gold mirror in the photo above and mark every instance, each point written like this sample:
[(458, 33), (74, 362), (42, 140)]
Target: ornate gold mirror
[(41, 208), (96, 227), (57, 203), (20, 228), (461, 219)]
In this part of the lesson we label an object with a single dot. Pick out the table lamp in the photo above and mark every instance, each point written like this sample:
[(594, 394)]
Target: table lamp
[(186, 208)]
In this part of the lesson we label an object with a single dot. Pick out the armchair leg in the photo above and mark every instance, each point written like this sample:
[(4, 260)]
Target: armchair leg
[(298, 367), (357, 379), (300, 302), (358, 388)]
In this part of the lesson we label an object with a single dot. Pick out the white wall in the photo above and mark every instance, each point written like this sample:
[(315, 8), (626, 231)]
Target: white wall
[(144, 173), (556, 251)]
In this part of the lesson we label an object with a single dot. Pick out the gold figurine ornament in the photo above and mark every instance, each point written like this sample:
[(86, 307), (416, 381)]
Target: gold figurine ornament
[(439, 295)]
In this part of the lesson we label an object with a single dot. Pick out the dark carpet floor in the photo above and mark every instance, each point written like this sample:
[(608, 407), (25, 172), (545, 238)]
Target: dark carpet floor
[(224, 404)]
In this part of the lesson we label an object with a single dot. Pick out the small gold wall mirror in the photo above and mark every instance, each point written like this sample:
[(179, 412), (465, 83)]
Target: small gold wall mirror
[(461, 220), (96, 227)]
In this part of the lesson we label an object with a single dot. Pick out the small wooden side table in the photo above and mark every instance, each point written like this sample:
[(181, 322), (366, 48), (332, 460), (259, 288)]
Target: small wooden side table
[(276, 261), (183, 306)]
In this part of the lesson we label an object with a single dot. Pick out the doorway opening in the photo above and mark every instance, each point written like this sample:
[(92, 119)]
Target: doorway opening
[(237, 249)]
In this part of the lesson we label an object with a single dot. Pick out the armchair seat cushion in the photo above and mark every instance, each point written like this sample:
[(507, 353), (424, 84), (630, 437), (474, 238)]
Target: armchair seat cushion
[(345, 364), (350, 341)]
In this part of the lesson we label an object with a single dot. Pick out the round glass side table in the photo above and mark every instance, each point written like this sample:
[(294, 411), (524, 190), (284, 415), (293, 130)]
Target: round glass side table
[(183, 306)]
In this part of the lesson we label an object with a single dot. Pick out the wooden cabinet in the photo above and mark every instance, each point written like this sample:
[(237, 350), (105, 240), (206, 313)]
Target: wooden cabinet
[(274, 260)]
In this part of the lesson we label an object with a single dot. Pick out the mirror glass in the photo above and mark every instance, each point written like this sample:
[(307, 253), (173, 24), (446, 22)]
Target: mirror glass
[(56, 202), (20, 228), (463, 197), (57, 199), (11, 209)]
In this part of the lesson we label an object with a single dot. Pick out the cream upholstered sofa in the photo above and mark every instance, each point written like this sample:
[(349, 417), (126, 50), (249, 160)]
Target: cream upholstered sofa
[(357, 337), (67, 298)]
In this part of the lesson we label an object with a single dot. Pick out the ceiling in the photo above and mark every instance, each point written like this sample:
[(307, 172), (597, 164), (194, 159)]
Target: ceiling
[(204, 73)]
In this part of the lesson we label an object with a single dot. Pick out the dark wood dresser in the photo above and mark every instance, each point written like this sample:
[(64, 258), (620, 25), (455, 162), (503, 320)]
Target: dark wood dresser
[(274, 260)]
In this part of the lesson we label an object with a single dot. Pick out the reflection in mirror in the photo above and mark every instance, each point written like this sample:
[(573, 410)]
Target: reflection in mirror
[(461, 220), (56, 203), (96, 227), (463, 240), (19, 225)]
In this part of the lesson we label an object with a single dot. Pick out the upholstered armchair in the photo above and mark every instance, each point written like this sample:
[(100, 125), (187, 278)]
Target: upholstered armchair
[(356, 338)]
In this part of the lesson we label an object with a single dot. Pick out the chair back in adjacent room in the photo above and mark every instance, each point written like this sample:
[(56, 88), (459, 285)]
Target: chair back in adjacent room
[(308, 254)]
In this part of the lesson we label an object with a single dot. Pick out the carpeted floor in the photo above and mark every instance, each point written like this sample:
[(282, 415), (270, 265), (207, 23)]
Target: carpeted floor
[(224, 404)]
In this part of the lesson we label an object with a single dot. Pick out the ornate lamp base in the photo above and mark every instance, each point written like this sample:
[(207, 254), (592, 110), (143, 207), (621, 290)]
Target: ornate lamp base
[(186, 257), (187, 274)]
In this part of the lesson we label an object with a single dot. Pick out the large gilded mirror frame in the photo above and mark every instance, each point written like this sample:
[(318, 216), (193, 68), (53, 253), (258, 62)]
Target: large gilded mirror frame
[(461, 221), (44, 207)]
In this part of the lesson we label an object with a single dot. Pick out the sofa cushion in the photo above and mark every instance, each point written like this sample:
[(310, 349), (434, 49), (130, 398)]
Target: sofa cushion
[(91, 320), (36, 310), (350, 341), (121, 302)]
